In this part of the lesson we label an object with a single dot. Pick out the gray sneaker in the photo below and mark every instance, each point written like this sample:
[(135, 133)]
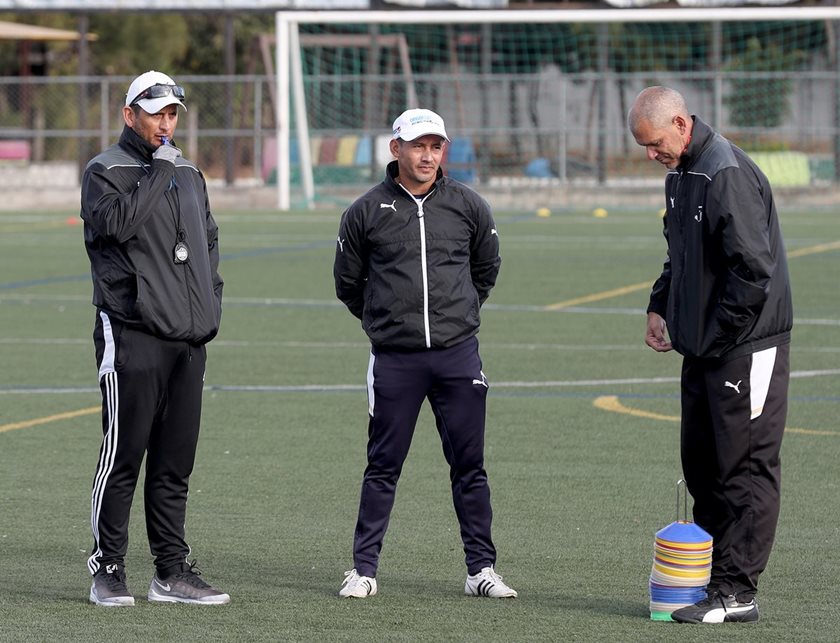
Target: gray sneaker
[(185, 587), (109, 588)]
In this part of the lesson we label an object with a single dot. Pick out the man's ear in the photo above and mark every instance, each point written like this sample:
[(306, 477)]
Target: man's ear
[(682, 126), (128, 116), (394, 146)]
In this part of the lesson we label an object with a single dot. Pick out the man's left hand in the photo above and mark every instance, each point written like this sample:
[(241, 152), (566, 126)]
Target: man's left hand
[(167, 153)]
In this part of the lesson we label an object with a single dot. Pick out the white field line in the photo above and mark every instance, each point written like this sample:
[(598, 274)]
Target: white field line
[(233, 343), (333, 303), (293, 344), (305, 388), (531, 347)]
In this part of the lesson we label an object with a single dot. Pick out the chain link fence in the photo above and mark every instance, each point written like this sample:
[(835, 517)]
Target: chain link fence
[(569, 127), (51, 127)]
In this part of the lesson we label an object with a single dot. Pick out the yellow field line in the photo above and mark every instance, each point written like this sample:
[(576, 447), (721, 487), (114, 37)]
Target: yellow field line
[(615, 292), (49, 418), (611, 403), (812, 250), (600, 295), (809, 431)]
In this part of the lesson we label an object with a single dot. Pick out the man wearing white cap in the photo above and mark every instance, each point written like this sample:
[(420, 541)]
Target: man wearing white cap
[(416, 257), (152, 244)]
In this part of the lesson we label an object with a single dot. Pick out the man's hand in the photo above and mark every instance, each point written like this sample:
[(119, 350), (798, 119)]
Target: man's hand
[(167, 153), (655, 337)]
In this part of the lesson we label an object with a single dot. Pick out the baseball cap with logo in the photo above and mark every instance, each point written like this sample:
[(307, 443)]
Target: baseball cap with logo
[(153, 91), (414, 123)]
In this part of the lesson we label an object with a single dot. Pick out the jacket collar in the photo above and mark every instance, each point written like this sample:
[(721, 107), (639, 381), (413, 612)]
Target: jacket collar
[(701, 134), (131, 142)]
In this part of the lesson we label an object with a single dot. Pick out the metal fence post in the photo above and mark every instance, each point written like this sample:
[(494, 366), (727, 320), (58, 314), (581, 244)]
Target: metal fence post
[(603, 70), (836, 133), (230, 70), (258, 142), (84, 67), (104, 115)]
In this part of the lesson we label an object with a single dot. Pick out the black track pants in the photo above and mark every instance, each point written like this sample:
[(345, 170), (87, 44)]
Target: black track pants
[(733, 420), (456, 388), (151, 405)]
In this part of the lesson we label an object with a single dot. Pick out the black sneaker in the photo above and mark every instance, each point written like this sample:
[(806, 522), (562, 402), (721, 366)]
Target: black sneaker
[(109, 587), (718, 608), (186, 587)]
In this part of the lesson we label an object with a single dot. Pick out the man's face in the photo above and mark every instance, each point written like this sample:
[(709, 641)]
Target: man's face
[(152, 127), (418, 161), (664, 145)]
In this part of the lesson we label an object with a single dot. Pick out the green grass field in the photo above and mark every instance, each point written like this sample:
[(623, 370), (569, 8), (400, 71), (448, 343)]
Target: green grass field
[(582, 447)]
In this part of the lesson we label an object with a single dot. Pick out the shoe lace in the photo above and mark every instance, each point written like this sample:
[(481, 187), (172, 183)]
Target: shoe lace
[(114, 580), (491, 574), (192, 576), (350, 577), (713, 597)]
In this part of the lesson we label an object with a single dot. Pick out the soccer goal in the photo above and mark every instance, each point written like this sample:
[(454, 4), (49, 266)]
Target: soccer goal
[(539, 97)]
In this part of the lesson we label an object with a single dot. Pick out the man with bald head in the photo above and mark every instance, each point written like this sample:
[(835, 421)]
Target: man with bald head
[(723, 302)]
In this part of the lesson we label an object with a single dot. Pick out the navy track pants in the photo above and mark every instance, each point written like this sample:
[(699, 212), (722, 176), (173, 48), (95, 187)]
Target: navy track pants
[(398, 383)]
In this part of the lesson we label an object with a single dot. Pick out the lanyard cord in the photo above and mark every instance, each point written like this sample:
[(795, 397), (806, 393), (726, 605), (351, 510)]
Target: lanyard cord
[(175, 203)]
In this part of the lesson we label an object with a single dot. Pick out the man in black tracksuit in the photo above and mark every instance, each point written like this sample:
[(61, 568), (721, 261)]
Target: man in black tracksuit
[(724, 300), (152, 244), (415, 258)]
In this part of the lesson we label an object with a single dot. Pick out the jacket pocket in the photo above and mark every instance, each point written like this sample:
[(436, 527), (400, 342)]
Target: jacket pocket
[(121, 345), (714, 338), (119, 293), (150, 314)]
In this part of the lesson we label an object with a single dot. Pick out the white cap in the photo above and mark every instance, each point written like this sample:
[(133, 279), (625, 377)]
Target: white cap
[(142, 83), (414, 123)]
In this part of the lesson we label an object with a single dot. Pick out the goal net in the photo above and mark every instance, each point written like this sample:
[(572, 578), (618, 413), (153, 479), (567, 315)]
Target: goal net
[(540, 97)]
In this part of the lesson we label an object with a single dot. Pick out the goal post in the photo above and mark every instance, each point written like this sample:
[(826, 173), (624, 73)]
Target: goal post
[(543, 93)]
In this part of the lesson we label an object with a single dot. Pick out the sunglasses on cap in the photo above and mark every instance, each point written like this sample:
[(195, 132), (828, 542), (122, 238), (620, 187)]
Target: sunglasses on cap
[(159, 91)]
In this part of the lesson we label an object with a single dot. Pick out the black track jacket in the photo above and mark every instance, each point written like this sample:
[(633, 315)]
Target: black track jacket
[(133, 207), (724, 290), (416, 271)]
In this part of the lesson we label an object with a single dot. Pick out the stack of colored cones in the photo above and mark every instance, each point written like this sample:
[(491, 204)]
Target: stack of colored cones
[(682, 564)]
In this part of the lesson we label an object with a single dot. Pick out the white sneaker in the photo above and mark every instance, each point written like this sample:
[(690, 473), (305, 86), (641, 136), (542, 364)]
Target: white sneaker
[(488, 583), (355, 586)]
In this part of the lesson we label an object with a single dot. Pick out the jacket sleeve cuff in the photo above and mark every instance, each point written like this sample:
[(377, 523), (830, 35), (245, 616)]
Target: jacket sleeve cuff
[(167, 167), (656, 308)]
